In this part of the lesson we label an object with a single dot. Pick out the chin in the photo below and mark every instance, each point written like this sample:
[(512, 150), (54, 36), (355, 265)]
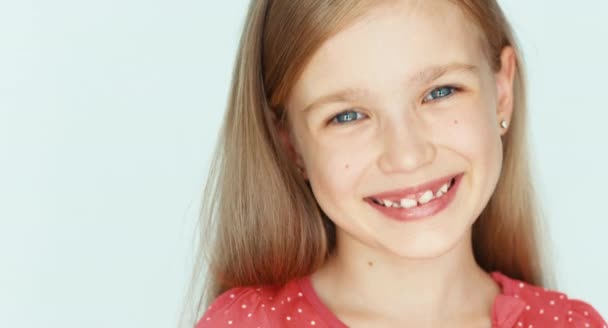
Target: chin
[(429, 246)]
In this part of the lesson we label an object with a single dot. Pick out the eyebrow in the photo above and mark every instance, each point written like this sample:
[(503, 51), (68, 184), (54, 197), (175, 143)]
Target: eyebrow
[(425, 76)]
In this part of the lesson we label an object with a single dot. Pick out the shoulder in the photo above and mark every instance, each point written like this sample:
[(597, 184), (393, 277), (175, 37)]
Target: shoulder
[(234, 307), (261, 305), (546, 307)]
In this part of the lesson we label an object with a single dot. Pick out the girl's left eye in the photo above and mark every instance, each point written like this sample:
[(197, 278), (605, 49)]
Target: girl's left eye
[(441, 92)]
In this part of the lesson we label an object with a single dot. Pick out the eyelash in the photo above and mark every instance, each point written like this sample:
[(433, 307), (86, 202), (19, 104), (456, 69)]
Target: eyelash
[(453, 89)]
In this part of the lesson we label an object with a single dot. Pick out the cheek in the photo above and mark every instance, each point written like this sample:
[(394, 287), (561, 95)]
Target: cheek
[(475, 135), (336, 168), (471, 129)]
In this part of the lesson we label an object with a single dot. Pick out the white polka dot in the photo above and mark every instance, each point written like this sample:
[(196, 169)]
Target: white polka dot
[(281, 302), (556, 318), (299, 310), (516, 296), (586, 324), (263, 305), (570, 319), (272, 308), (288, 318), (521, 285), (530, 326), (586, 313), (243, 306), (552, 302), (289, 299), (527, 307), (249, 315), (312, 323), (300, 294), (229, 322), (536, 294), (208, 318), (541, 311), (519, 324), (569, 312), (231, 295), (561, 297)]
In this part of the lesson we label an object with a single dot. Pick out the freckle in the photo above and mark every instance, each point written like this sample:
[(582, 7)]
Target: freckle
[(370, 263), (346, 166), (455, 121)]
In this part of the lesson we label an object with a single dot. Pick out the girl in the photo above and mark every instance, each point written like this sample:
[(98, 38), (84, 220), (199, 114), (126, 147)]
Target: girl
[(373, 172)]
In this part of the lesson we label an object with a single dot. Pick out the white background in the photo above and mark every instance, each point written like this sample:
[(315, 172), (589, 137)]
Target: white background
[(109, 112)]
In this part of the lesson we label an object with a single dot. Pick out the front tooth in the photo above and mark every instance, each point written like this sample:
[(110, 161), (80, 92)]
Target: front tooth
[(408, 203), (388, 203), (444, 188), (439, 194), (426, 197)]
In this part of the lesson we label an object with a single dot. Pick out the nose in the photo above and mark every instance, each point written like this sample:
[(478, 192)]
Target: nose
[(406, 146)]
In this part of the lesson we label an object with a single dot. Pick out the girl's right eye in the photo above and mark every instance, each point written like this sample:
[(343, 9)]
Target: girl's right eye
[(346, 117)]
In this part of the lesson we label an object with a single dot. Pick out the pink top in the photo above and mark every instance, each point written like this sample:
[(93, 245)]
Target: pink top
[(297, 305)]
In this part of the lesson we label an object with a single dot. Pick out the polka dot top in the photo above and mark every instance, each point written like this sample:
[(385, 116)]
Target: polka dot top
[(297, 305)]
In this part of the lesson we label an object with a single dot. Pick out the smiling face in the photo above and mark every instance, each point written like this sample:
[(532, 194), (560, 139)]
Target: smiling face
[(402, 97)]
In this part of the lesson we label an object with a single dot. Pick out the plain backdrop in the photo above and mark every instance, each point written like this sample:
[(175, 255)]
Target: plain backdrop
[(109, 112)]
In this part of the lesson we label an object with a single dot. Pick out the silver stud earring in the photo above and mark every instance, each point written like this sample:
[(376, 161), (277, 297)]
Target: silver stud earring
[(503, 124)]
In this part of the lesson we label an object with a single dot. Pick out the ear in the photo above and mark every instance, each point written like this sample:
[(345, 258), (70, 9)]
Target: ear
[(504, 85), (286, 140)]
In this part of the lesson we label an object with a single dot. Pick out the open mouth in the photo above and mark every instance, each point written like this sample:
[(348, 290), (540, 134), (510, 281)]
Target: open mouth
[(419, 198)]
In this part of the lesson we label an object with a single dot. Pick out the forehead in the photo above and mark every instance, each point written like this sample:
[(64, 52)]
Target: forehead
[(388, 46)]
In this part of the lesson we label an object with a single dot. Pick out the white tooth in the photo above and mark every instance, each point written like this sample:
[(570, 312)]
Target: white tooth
[(408, 203), (444, 188), (396, 205), (388, 203), (426, 197), (439, 194)]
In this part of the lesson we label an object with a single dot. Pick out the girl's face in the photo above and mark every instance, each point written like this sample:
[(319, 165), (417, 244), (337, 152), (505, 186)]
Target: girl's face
[(416, 101)]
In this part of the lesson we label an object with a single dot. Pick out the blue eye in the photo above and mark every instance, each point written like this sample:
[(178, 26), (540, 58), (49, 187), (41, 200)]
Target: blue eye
[(347, 117), (441, 92)]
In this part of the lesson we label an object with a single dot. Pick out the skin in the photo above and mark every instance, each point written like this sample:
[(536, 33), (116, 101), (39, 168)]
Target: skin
[(386, 273)]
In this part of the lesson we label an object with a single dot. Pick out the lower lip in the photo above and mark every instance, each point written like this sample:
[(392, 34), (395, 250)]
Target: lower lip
[(422, 211)]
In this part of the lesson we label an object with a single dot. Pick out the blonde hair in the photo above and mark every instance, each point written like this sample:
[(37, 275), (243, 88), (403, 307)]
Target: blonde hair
[(260, 223)]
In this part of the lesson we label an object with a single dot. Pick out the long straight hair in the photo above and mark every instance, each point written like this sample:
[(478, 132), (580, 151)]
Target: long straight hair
[(260, 223)]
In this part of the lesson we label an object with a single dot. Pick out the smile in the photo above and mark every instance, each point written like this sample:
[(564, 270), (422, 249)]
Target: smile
[(412, 200), (418, 202)]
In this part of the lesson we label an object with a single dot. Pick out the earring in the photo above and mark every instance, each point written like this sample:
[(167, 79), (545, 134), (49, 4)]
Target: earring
[(503, 124)]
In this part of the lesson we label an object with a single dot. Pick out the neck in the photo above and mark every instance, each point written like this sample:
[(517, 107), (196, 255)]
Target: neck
[(360, 279)]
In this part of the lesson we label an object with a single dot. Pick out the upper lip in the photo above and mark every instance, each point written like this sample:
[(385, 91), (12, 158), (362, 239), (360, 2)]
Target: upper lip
[(398, 194)]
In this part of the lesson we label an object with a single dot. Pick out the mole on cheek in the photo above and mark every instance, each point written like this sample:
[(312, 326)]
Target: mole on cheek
[(370, 263), (346, 166), (455, 122)]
